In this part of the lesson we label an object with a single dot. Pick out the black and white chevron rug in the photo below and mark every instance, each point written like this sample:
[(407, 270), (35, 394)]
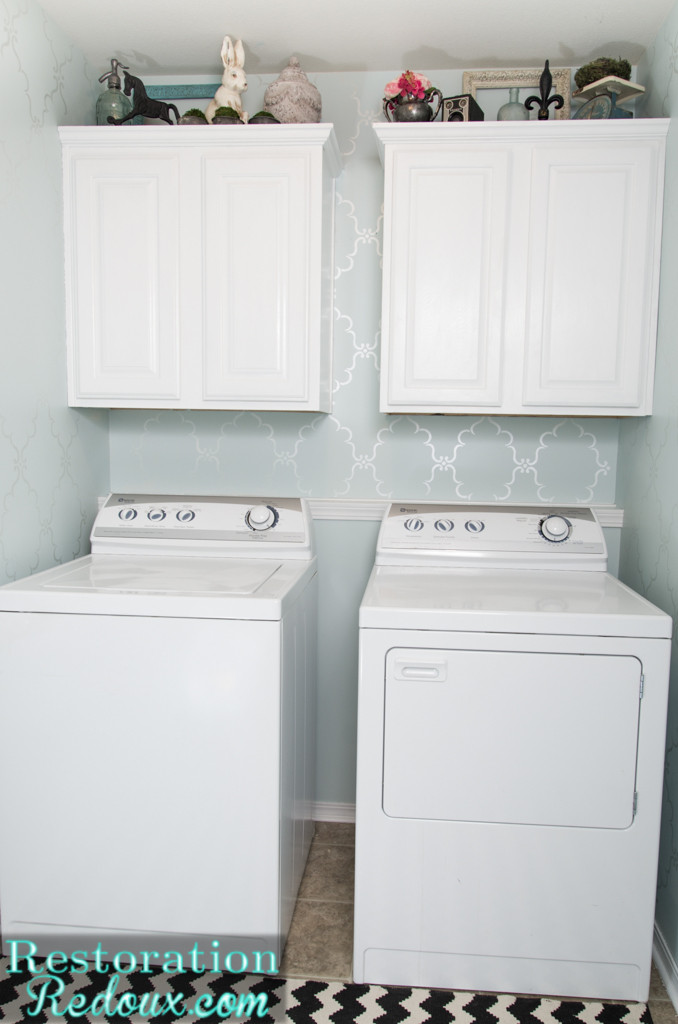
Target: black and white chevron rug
[(138, 998)]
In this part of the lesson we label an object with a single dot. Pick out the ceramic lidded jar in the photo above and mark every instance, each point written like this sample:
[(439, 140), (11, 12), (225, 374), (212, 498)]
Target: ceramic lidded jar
[(292, 98)]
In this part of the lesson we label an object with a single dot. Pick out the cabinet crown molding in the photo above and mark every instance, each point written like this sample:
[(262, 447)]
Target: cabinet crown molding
[(433, 134), (221, 135)]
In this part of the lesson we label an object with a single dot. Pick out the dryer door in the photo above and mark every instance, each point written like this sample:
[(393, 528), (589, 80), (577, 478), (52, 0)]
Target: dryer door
[(511, 736)]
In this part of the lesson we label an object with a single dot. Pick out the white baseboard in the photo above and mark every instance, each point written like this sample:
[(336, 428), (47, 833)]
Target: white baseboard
[(326, 811), (666, 965)]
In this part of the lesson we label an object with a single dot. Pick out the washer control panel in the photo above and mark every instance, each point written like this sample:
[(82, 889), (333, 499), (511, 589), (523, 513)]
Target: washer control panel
[(186, 524), (514, 536)]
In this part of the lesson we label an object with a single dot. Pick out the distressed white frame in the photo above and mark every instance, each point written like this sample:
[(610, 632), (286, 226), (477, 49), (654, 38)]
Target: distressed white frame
[(521, 78)]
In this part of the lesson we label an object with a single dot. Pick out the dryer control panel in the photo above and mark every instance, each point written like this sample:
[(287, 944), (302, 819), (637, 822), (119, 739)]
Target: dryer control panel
[(203, 525), (510, 536)]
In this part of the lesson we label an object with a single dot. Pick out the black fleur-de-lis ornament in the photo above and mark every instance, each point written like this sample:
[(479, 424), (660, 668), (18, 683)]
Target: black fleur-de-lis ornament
[(544, 100)]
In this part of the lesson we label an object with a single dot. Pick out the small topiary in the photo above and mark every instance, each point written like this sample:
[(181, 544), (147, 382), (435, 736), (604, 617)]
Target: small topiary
[(601, 68), (263, 117), (226, 112), (196, 112)]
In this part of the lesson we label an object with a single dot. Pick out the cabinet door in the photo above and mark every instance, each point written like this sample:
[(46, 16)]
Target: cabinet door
[(122, 242), (521, 266), (261, 240), (445, 248), (592, 276)]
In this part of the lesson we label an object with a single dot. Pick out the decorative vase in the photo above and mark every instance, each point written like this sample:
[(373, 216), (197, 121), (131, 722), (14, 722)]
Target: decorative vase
[(397, 108), (112, 102), (292, 99), (514, 110)]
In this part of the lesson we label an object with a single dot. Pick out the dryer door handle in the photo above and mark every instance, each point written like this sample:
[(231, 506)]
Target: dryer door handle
[(424, 670)]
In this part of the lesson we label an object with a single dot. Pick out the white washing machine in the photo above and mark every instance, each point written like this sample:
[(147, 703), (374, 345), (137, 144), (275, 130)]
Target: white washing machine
[(511, 730), (157, 720)]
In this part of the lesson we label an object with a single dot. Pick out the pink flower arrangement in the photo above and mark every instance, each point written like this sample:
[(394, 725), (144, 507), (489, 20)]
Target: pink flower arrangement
[(410, 86)]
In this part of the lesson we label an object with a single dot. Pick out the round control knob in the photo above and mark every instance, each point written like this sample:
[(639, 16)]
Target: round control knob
[(475, 526), (261, 517), (414, 525), (186, 515), (156, 515), (555, 529), (127, 514), (444, 525)]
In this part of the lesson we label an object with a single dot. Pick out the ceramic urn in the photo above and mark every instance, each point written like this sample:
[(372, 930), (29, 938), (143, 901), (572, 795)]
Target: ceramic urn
[(292, 98)]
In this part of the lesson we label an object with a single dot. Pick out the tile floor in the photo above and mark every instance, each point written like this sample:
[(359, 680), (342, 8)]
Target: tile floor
[(661, 1007), (320, 940)]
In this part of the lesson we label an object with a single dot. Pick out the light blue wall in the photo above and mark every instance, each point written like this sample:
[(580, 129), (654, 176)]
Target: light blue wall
[(356, 452), (53, 461), (648, 459)]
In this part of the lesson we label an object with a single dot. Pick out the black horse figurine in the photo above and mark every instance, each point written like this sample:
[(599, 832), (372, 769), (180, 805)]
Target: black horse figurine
[(142, 104)]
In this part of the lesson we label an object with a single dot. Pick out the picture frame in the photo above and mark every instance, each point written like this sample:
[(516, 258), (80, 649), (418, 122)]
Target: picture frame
[(521, 78), (183, 92)]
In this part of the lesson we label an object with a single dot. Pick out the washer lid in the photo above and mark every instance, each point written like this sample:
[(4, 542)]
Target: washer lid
[(162, 585), (164, 575)]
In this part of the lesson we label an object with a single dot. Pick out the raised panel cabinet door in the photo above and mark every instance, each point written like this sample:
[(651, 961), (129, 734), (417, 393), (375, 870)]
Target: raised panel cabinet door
[(262, 234), (445, 252), (122, 276), (595, 227)]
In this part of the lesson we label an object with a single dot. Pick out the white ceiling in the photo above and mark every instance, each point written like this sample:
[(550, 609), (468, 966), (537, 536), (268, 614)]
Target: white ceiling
[(182, 37)]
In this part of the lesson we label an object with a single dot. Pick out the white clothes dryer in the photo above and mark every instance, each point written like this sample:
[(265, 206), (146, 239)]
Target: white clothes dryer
[(157, 721), (511, 730)]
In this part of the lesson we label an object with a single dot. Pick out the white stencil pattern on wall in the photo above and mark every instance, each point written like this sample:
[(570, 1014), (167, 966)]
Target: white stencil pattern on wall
[(648, 456), (362, 236), (364, 117), (43, 517), (364, 350), (483, 461), (53, 461), (357, 452)]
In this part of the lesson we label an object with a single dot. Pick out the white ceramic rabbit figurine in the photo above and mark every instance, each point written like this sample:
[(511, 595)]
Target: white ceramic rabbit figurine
[(233, 82)]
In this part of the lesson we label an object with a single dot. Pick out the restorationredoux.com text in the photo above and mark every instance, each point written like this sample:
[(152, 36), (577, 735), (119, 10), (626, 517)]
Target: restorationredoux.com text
[(46, 988)]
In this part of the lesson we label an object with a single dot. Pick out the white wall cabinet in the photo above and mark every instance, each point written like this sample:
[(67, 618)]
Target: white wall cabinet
[(199, 266), (521, 266)]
